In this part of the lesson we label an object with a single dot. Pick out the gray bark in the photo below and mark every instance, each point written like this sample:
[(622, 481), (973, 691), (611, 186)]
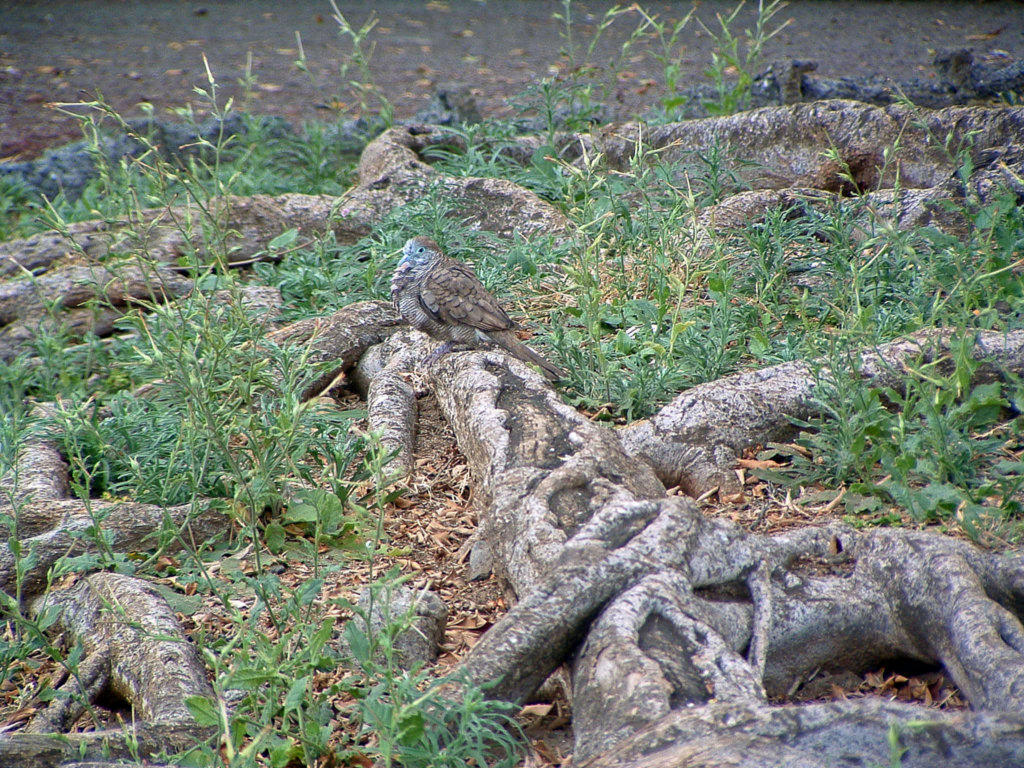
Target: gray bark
[(136, 646), (152, 666), (383, 375), (49, 525), (789, 143)]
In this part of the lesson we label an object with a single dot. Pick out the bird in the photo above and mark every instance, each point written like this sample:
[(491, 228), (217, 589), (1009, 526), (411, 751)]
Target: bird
[(443, 297)]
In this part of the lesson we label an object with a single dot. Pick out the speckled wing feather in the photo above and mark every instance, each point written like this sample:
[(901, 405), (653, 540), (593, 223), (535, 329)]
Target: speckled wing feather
[(454, 295)]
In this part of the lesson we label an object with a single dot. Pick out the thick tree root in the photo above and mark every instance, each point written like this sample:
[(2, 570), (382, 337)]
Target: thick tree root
[(694, 441), (75, 696), (152, 666), (99, 748), (341, 338), (25, 304), (49, 526), (167, 235), (383, 374), (943, 206), (862, 733), (791, 142), (135, 649), (680, 611), (392, 174), (126, 527)]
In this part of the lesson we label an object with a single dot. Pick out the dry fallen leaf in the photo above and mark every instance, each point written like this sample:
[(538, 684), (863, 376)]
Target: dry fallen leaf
[(986, 35), (757, 464), (536, 710)]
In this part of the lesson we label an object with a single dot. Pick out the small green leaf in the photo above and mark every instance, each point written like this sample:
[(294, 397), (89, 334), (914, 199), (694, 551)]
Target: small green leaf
[(203, 710), (411, 728), (283, 240), (296, 693), (274, 535), (248, 678), (300, 512)]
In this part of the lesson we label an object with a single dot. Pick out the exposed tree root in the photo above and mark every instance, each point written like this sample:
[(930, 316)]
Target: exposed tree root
[(75, 696), (792, 144), (135, 649), (340, 339), (25, 305), (167, 235), (838, 733), (383, 375), (50, 526), (942, 206), (694, 441), (677, 600), (127, 527), (99, 749)]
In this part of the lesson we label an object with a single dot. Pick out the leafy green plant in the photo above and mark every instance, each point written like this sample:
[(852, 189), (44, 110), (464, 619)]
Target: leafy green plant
[(276, 717), (17, 209), (739, 56), (355, 69), (572, 98), (940, 448), (669, 55), (419, 721)]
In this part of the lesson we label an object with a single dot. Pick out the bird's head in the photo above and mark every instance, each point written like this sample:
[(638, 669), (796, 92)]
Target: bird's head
[(419, 250)]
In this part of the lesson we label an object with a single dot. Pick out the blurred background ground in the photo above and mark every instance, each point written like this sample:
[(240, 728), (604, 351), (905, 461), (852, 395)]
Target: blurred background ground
[(151, 51)]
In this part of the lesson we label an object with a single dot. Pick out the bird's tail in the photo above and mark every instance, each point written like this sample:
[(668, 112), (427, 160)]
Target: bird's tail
[(527, 355)]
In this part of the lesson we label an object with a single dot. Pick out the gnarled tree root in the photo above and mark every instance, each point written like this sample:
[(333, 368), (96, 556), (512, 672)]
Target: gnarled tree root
[(133, 644), (50, 526), (383, 374), (694, 441), (675, 611), (866, 732)]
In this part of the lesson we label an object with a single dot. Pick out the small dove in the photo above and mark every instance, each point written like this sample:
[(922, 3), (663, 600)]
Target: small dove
[(443, 298)]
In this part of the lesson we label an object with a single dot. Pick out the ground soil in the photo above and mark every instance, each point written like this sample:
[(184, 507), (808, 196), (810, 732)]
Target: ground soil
[(134, 51)]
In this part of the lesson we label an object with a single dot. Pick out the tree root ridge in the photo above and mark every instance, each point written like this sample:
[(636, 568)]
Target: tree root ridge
[(694, 441), (152, 666), (829, 735), (135, 648), (100, 749)]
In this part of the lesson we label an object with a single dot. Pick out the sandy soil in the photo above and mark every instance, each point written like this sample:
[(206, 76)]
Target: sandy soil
[(152, 50)]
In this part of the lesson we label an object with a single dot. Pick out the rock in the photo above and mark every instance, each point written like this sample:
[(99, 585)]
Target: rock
[(70, 168), (481, 561), (420, 613), (350, 136), (451, 104)]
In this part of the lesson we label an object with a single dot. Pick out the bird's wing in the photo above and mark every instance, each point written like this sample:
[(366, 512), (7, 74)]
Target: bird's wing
[(455, 296)]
